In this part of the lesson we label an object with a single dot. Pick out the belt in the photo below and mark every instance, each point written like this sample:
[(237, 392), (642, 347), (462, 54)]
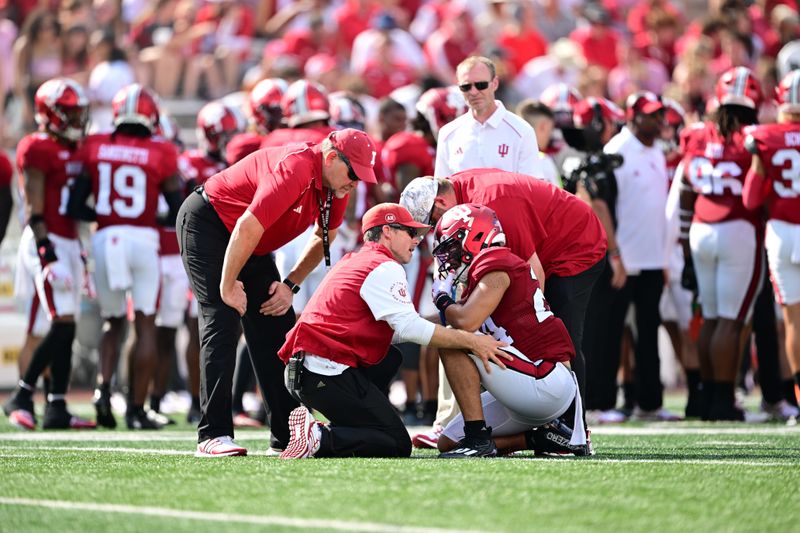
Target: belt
[(202, 192)]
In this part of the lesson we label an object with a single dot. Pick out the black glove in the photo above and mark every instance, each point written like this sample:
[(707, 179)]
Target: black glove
[(688, 277), (47, 254)]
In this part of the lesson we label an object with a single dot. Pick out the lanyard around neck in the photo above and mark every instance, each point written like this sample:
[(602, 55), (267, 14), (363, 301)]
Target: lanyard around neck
[(325, 217)]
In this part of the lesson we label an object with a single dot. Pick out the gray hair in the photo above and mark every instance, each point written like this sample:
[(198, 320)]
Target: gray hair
[(373, 234)]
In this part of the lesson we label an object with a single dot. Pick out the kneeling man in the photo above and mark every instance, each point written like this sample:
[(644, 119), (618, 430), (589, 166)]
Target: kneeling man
[(503, 299), (338, 354)]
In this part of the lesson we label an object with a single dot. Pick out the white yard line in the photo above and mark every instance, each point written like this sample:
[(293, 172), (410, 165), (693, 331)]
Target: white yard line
[(678, 430), (286, 521)]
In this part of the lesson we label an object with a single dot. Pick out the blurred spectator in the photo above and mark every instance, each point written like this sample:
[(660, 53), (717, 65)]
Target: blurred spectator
[(640, 15), (554, 19), (598, 40), (153, 33), (520, 37), (8, 33), (75, 56), (542, 120), (305, 42), (659, 41), (36, 58), (452, 42), (353, 17), (227, 29), (109, 74), (399, 44), (635, 73), (562, 64), (737, 51), (324, 69), (385, 71)]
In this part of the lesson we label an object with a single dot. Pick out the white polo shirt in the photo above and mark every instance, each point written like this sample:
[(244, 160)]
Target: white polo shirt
[(504, 141), (642, 185)]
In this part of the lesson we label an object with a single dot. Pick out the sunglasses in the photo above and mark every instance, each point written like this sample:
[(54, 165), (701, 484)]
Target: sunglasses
[(480, 85), (350, 172), (412, 232)]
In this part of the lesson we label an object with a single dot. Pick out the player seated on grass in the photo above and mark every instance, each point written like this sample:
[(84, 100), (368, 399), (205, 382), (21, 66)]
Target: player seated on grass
[(503, 299)]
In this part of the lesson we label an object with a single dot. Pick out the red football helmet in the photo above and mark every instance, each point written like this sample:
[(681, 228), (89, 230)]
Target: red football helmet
[(216, 124), (787, 94), (347, 111), (135, 104), (440, 106), (584, 111), (265, 102), (62, 108), (739, 86), (304, 102), (462, 232), (674, 116), (562, 99)]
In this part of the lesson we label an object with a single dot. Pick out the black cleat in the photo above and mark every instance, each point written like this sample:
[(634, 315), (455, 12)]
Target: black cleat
[(102, 407), (20, 412), (140, 419), (552, 439), (56, 416), (471, 448)]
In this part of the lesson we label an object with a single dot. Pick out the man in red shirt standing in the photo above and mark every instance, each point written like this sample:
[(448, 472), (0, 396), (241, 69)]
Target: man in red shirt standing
[(553, 230), (227, 231), (338, 355)]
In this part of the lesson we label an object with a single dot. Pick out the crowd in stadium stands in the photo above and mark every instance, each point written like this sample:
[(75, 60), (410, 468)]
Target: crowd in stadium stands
[(663, 137)]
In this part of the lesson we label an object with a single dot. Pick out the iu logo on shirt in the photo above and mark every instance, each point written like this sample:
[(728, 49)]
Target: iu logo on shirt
[(502, 150)]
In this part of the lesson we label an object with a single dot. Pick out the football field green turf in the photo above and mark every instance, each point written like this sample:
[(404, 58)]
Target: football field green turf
[(684, 476)]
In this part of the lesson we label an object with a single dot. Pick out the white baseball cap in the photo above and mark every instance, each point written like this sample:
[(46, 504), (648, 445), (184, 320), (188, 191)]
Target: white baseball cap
[(418, 198)]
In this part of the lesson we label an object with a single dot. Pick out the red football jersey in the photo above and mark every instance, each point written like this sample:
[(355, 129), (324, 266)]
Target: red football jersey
[(537, 217), (60, 164), (194, 165), (284, 136), (778, 146), (242, 145), (127, 173), (716, 170), (522, 318), (407, 148)]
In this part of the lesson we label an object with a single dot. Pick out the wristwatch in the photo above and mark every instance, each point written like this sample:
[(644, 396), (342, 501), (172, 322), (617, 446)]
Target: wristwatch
[(295, 288)]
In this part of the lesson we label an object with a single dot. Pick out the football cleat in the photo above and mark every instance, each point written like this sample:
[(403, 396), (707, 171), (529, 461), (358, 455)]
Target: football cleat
[(552, 439), (243, 420), (140, 419), (20, 413), (428, 439), (219, 447), (306, 435), (781, 411), (471, 448), (56, 416), (102, 407), (656, 415)]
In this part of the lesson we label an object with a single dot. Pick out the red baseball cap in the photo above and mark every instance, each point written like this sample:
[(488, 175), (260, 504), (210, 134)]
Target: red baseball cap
[(643, 103), (357, 147), (388, 213)]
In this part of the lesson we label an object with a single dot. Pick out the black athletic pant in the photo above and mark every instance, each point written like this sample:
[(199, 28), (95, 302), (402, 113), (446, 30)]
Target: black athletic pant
[(363, 423), (203, 239), (766, 338), (644, 292), (569, 297)]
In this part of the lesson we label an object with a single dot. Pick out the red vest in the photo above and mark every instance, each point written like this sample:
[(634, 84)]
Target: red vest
[(337, 323)]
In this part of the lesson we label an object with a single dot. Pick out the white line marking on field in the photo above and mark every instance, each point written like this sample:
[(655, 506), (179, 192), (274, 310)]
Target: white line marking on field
[(732, 462), (122, 436), (286, 521), (672, 430)]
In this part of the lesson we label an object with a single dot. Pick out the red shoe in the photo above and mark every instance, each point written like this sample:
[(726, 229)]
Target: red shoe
[(56, 416), (22, 419)]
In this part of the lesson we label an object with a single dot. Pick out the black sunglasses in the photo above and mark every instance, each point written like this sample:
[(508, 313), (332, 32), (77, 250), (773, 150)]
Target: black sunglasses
[(480, 85), (412, 232), (350, 172)]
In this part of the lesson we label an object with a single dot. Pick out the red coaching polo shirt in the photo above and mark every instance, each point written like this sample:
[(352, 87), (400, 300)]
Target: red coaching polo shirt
[(537, 217), (281, 187)]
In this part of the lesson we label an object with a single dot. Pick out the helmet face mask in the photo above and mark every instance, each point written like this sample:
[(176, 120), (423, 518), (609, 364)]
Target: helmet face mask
[(441, 105), (217, 123), (462, 232), (62, 108), (265, 103)]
